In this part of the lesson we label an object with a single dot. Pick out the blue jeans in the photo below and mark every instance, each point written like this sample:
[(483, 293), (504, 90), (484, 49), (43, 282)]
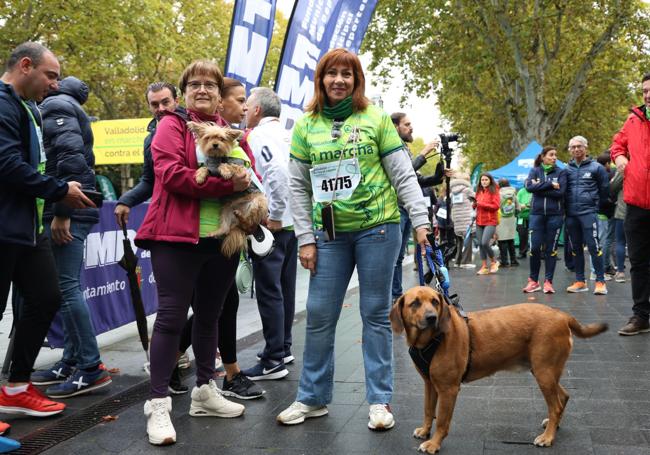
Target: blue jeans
[(373, 251), (621, 242), (582, 230), (79, 341), (544, 232), (405, 229)]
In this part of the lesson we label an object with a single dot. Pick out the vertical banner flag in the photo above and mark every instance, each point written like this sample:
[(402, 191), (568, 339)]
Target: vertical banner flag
[(315, 27), (250, 38)]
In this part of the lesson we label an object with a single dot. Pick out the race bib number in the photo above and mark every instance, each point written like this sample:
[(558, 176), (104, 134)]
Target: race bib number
[(442, 213), (327, 185), (457, 198)]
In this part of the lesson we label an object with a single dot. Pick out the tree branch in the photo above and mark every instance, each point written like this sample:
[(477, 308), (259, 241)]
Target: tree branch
[(577, 87)]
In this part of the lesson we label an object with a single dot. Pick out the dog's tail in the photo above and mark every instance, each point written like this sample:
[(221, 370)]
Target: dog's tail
[(233, 243), (586, 331)]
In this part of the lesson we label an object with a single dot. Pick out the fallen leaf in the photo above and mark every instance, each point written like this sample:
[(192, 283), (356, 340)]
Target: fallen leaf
[(114, 371), (109, 418), (347, 305)]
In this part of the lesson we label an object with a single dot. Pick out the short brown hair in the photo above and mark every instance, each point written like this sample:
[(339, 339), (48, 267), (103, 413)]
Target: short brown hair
[(203, 68), (335, 57), (228, 84)]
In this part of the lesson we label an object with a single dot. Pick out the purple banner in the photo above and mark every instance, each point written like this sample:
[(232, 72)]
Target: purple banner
[(104, 283)]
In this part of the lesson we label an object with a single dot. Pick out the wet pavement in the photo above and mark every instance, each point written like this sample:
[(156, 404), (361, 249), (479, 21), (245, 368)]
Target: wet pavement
[(608, 378)]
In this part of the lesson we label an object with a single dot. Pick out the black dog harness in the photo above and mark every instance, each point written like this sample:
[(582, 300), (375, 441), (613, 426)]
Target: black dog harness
[(422, 357)]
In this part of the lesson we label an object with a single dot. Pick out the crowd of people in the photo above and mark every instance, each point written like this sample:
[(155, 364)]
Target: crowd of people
[(330, 229)]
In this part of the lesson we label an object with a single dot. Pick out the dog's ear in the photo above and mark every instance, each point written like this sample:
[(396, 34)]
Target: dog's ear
[(232, 135), (396, 321), (444, 320), (196, 128)]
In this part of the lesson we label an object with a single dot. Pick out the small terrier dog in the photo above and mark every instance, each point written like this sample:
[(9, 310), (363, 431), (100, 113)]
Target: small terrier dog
[(242, 212)]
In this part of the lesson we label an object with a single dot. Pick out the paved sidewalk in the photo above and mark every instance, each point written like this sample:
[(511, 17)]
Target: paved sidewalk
[(608, 378)]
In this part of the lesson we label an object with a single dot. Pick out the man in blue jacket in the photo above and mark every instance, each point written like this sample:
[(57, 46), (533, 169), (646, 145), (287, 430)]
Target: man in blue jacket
[(27, 260), (68, 140), (587, 185)]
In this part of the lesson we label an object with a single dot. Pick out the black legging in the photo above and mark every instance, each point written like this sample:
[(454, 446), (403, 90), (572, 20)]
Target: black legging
[(227, 335)]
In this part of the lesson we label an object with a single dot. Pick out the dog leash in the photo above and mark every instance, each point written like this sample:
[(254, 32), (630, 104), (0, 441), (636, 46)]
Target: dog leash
[(440, 271)]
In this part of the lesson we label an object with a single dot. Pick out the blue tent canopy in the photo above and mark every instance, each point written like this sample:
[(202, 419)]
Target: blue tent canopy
[(517, 170)]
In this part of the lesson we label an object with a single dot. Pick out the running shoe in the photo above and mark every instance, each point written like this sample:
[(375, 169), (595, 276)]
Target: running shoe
[(80, 382), (31, 402), (56, 374), (531, 286), (548, 287)]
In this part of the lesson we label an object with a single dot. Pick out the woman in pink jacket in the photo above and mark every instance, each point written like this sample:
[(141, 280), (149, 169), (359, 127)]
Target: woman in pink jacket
[(187, 263)]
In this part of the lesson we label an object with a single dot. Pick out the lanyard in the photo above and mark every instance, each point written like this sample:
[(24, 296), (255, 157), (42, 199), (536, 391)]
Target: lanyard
[(39, 132)]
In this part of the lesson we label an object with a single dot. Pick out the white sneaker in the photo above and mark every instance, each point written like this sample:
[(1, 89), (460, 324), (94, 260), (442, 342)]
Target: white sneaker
[(207, 401), (183, 361), (159, 426), (381, 417), (298, 412)]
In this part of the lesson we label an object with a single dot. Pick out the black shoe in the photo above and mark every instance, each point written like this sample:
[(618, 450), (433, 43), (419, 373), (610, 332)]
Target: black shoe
[(514, 264), (176, 386), (634, 326), (522, 256), (241, 387)]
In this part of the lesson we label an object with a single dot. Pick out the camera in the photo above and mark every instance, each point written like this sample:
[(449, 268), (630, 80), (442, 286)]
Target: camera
[(445, 139)]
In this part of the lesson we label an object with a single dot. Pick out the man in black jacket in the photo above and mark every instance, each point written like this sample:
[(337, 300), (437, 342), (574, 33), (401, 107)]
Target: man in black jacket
[(27, 260), (405, 130), (68, 140), (161, 97)]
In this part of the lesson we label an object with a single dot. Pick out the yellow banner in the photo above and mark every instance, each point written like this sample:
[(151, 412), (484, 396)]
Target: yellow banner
[(120, 141)]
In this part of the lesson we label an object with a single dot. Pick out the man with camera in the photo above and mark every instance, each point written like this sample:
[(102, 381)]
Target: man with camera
[(405, 130)]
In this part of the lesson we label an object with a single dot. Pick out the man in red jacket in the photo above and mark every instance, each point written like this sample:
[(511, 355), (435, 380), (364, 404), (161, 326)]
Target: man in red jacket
[(631, 152)]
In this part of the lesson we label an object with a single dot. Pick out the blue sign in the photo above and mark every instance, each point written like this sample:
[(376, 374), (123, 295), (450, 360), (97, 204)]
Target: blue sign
[(250, 38), (104, 283), (315, 27)]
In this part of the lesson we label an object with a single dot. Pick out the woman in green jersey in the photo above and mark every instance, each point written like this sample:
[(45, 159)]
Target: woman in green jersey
[(347, 167)]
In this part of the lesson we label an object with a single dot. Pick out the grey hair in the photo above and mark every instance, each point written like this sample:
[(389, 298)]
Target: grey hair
[(580, 139), (34, 51), (267, 100)]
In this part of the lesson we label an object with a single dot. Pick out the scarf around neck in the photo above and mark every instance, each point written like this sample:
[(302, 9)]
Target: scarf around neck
[(342, 110)]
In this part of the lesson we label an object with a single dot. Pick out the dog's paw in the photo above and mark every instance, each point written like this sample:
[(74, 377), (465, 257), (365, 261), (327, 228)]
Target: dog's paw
[(201, 175), (421, 433), (543, 440), (429, 447)]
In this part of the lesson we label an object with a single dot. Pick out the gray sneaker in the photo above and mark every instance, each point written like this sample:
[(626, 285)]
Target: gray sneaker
[(634, 326)]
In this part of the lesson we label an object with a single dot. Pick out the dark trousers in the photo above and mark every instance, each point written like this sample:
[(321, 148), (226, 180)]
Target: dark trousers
[(544, 235), (464, 252), (275, 284), (522, 232), (637, 229), (583, 229), (507, 247), (227, 328), (183, 271), (33, 272)]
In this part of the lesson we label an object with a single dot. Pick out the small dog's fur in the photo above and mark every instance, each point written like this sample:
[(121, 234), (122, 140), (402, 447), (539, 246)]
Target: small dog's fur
[(526, 336), (241, 213)]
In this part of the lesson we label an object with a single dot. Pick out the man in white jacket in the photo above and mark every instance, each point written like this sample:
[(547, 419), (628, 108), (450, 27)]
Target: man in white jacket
[(275, 275)]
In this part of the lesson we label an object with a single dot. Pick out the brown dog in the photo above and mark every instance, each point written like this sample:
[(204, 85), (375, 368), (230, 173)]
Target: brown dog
[(525, 336)]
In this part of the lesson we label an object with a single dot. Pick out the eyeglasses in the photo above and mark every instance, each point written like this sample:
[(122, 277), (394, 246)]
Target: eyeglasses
[(336, 129), (196, 85), (574, 147)]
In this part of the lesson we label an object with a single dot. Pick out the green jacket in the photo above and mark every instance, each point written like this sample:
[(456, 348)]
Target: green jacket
[(524, 197)]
